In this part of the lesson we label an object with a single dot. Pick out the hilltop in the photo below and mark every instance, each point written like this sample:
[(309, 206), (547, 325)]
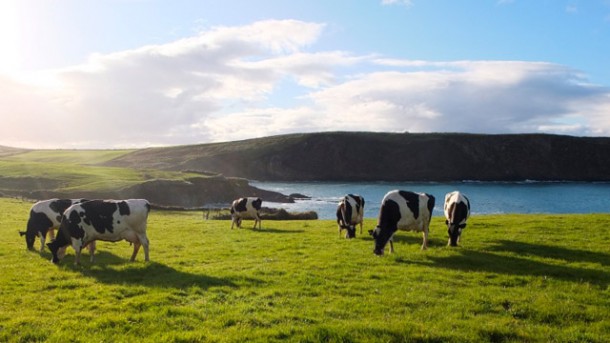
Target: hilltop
[(199, 175), (359, 156)]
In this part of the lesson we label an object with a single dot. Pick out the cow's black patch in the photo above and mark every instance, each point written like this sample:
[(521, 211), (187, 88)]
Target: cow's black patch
[(99, 214), (257, 204), (72, 224), (344, 218), (124, 208), (347, 212), (60, 206), (37, 223), (412, 202), (460, 212), (241, 205), (68, 225), (359, 203), (430, 205)]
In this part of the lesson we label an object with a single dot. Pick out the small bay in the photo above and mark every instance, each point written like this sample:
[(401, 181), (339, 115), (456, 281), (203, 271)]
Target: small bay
[(485, 197)]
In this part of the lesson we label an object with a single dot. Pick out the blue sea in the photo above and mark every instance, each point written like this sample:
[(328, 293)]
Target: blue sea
[(485, 197)]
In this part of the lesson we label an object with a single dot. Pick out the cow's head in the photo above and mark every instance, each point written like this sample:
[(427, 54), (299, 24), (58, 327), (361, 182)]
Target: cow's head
[(30, 237), (454, 230), (381, 236), (58, 246), (54, 248), (350, 231)]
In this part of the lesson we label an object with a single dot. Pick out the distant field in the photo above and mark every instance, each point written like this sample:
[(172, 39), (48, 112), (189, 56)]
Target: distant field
[(72, 171), (68, 156), (516, 278)]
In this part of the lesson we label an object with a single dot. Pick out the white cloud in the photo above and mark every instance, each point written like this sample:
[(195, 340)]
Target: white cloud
[(262, 79)]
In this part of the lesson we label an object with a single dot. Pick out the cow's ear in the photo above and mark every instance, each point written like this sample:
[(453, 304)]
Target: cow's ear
[(21, 233), (446, 222), (462, 226)]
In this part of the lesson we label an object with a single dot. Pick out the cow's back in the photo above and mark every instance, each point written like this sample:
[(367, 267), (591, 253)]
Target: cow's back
[(106, 219), (456, 202), (415, 209)]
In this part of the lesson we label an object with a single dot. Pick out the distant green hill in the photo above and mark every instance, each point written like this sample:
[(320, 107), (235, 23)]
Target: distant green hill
[(358, 156), (196, 175), (43, 174)]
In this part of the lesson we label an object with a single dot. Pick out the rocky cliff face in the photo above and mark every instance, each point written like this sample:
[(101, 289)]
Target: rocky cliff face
[(346, 156)]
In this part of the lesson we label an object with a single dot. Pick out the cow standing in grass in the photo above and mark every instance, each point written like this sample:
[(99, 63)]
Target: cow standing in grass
[(246, 208), (350, 212), (402, 210), (457, 211), (105, 220), (45, 217)]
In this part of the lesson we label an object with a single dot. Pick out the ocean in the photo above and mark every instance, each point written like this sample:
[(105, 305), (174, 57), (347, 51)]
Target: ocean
[(485, 197)]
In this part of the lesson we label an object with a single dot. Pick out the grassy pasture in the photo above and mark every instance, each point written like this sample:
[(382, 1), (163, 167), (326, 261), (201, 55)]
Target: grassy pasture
[(73, 171), (516, 278)]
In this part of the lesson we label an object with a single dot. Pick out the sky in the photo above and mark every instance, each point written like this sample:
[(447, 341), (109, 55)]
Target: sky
[(84, 74)]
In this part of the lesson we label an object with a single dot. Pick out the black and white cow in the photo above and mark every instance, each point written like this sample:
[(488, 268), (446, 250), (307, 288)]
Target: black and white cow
[(350, 212), (45, 216), (457, 211), (402, 210), (246, 208), (104, 220)]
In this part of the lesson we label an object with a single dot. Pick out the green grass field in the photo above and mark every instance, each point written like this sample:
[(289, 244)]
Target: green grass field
[(73, 171), (516, 278)]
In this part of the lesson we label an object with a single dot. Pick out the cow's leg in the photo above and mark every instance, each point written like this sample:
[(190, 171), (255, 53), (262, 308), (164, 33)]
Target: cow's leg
[(143, 241), (232, 222), (77, 250), (424, 245), (145, 244), (392, 245), (258, 220), (41, 235), (52, 234), (136, 248), (91, 247), (361, 226)]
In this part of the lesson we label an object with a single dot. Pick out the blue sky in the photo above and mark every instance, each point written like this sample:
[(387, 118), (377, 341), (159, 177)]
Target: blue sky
[(137, 73)]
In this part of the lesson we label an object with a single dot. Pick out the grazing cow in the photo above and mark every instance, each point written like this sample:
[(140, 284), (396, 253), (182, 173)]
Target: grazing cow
[(246, 208), (105, 220), (45, 216), (350, 212), (402, 210), (457, 211)]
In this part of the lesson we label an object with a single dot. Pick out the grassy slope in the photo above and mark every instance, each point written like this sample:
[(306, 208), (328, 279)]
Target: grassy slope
[(72, 170), (516, 278)]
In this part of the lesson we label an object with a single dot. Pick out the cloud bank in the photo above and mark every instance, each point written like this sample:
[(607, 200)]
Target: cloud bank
[(266, 78)]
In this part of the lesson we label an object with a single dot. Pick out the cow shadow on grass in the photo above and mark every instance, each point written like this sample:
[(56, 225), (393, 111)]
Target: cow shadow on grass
[(490, 262), (410, 238), (549, 251), (273, 230), (112, 269)]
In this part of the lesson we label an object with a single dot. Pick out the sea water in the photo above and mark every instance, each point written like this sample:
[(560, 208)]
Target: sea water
[(485, 197)]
